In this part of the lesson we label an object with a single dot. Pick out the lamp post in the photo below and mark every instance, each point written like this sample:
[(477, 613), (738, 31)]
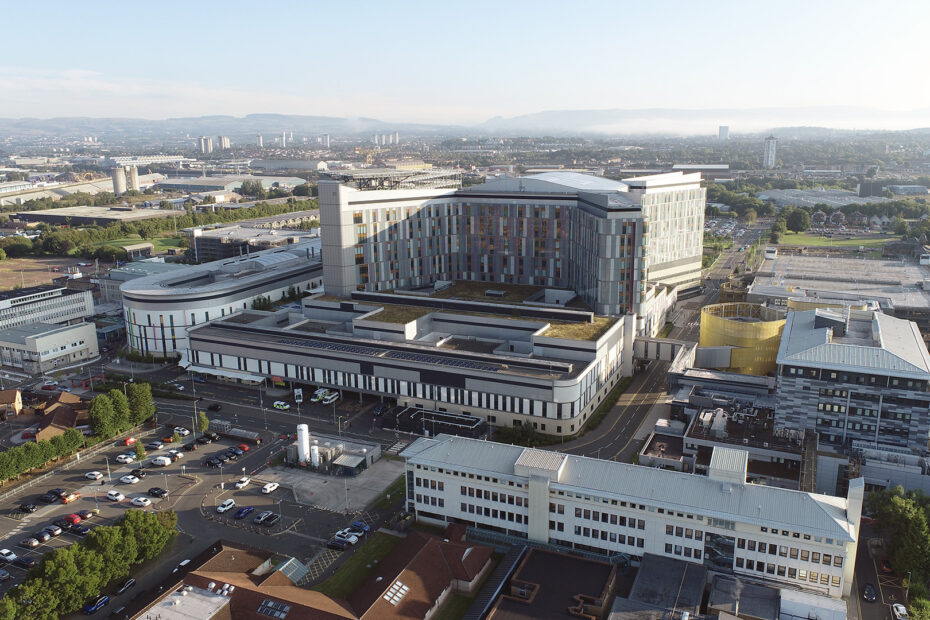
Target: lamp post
[(221, 476), (165, 474), (907, 588), (345, 481), (107, 460)]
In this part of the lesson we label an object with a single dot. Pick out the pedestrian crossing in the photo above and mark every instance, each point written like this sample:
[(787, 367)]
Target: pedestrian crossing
[(397, 447)]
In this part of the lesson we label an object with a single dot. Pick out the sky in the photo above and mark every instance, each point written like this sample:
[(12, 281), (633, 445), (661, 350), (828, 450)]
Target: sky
[(457, 62)]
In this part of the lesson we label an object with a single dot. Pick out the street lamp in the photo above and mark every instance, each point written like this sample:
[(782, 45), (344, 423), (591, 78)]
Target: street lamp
[(107, 460), (907, 588), (221, 476), (165, 474)]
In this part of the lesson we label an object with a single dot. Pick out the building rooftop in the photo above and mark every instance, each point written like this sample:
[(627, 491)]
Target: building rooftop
[(122, 214), (669, 583), (673, 490), (855, 341), (19, 334), (246, 233)]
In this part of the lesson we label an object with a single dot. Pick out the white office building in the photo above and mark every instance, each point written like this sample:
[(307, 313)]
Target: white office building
[(44, 304), (798, 540), (158, 309), (41, 347)]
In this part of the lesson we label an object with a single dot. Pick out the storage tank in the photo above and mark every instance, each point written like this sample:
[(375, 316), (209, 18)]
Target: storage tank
[(303, 442), (315, 456)]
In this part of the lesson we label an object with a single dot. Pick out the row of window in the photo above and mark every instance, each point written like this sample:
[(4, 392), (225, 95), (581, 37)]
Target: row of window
[(790, 572), (684, 532), (493, 496), (681, 550), (607, 536), (790, 552), (494, 513), (431, 500)]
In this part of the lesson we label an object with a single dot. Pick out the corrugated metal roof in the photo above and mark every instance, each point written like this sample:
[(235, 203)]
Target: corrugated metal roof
[(770, 506), (540, 459), (729, 459)]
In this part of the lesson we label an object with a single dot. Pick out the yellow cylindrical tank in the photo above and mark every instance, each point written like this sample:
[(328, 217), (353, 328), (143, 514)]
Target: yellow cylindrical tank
[(752, 330)]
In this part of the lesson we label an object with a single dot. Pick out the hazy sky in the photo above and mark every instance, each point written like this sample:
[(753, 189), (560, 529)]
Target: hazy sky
[(457, 62)]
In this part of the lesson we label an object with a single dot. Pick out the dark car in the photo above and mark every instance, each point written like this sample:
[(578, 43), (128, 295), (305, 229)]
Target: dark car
[(138, 473), (84, 514), (28, 507), (49, 498), (215, 407), (335, 543), (222, 456), (42, 536), (271, 519), (59, 493), (204, 440), (232, 456), (158, 492), (212, 462), (126, 585), (25, 561), (243, 512), (119, 612), (190, 447), (868, 593), (79, 530), (96, 605), (380, 409), (62, 523), (213, 436), (260, 517)]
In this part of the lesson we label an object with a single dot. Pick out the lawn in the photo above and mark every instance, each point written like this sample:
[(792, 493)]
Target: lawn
[(161, 243), (354, 571), (454, 608), (395, 490), (839, 241)]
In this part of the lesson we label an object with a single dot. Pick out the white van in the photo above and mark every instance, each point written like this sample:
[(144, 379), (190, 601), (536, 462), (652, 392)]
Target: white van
[(161, 461)]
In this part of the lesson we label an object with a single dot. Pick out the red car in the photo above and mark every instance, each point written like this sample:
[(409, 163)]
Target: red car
[(129, 441), (243, 447), (886, 567), (73, 519)]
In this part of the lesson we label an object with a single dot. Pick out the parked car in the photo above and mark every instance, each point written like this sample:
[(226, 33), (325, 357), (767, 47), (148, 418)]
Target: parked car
[(181, 565), (236, 450), (129, 479), (337, 544), (243, 512), (280, 404), (59, 492), (125, 458), (49, 498), (115, 496), (155, 445), (190, 447), (319, 395), (229, 504), (73, 518), (27, 507), (85, 514), (243, 447), (222, 456), (25, 561), (347, 536), (260, 517), (52, 530), (4, 575), (271, 519), (886, 567), (96, 605), (204, 440), (130, 441), (241, 483), (361, 526), (380, 409), (158, 492), (215, 407), (162, 461), (62, 523), (42, 536), (29, 543), (93, 475), (900, 611), (129, 583), (270, 487), (141, 502), (213, 436), (79, 530), (212, 462), (6, 555)]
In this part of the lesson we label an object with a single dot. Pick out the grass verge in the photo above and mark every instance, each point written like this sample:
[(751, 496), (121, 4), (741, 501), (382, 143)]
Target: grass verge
[(356, 569), (669, 326), (390, 495), (454, 608)]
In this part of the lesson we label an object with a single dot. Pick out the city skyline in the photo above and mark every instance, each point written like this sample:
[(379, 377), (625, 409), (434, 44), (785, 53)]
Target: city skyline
[(509, 60)]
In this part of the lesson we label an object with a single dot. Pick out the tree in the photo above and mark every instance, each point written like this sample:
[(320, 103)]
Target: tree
[(121, 412), (303, 190), (102, 417), (262, 303), (140, 451), (2, 254), (899, 224), (203, 422), (749, 216), (141, 407), (176, 437), (118, 549), (798, 220), (151, 537)]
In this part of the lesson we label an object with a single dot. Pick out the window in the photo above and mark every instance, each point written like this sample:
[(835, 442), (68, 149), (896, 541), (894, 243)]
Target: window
[(835, 581), (750, 565), (815, 557), (781, 570), (827, 559), (793, 553), (669, 530), (837, 560), (762, 547), (668, 547), (805, 555), (739, 562), (814, 577)]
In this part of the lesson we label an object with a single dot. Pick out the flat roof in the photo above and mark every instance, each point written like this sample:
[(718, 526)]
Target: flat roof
[(669, 583), (101, 213), (819, 514), (20, 333), (17, 293), (242, 233)]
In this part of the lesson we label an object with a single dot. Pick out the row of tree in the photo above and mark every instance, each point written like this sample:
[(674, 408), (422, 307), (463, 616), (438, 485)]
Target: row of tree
[(63, 241), (68, 577), (114, 413), (23, 458)]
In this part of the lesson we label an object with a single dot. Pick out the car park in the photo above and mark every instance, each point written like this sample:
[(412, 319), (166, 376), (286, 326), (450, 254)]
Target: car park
[(27, 507), (281, 405), (900, 611), (229, 504), (260, 517), (222, 456), (243, 447), (230, 455), (330, 399), (129, 479), (204, 440), (25, 561), (158, 492), (241, 483), (129, 441), (270, 487), (73, 518), (129, 583), (52, 530), (236, 450), (42, 536), (886, 567), (93, 475), (96, 605), (115, 496), (70, 497), (29, 543), (6, 555), (271, 519), (180, 430), (79, 530), (125, 458), (85, 514), (155, 445), (243, 512), (176, 454), (141, 502)]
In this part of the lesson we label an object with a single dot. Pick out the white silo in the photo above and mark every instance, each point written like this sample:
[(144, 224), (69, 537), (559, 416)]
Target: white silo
[(303, 442), (119, 180), (315, 455)]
